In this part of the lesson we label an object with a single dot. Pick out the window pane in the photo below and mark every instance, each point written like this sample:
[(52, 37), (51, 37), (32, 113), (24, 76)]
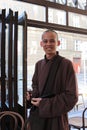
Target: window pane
[(20, 65), (56, 16), (78, 45), (34, 51), (58, 1), (73, 47), (63, 43), (34, 12), (72, 3), (51, 0), (77, 20), (81, 4), (61, 1)]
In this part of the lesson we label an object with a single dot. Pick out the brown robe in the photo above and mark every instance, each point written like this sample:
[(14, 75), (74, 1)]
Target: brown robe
[(52, 112)]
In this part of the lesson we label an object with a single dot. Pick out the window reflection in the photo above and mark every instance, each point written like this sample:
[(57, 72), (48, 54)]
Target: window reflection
[(20, 65), (72, 3), (62, 43), (58, 1), (61, 1), (52, 0), (77, 45), (81, 4), (36, 12), (56, 16), (33, 48), (77, 20), (73, 47), (33, 11)]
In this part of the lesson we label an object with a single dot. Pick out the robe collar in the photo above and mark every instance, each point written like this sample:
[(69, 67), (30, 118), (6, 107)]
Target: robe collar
[(57, 53)]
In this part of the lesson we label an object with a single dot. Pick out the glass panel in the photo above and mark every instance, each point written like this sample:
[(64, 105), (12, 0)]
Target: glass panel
[(20, 65), (73, 47), (51, 0), (63, 43), (56, 16), (77, 20), (67, 49), (77, 45), (81, 4), (35, 12), (6, 55), (61, 1), (34, 51), (72, 3), (58, 1)]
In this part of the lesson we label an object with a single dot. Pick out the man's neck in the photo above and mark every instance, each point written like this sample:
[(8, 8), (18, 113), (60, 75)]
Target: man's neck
[(48, 56)]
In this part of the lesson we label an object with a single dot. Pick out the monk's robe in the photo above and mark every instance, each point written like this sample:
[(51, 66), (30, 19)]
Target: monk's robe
[(55, 81)]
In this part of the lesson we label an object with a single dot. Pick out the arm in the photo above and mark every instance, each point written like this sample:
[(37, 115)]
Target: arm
[(34, 91)]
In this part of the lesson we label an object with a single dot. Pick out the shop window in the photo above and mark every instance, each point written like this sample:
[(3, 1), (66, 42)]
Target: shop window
[(77, 45), (61, 1), (77, 20), (77, 64), (62, 43), (33, 11), (72, 3), (81, 4), (56, 16)]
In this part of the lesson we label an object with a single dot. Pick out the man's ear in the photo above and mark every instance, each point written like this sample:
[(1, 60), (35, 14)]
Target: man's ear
[(41, 44), (58, 43)]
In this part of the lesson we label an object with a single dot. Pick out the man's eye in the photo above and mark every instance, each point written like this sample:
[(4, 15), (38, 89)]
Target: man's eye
[(45, 41), (50, 41)]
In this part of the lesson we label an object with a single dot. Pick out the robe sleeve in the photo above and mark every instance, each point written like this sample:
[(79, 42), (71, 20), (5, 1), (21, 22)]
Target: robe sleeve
[(35, 92), (65, 101)]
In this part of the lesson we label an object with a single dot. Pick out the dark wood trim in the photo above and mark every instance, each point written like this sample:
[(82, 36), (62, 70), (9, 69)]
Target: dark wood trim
[(68, 9), (38, 24), (46, 14), (25, 62), (15, 60), (10, 53), (3, 36), (56, 6)]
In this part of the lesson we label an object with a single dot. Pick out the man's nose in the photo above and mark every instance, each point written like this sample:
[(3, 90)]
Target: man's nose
[(48, 42)]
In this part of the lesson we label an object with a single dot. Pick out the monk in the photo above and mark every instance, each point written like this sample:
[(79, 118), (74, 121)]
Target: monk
[(55, 89)]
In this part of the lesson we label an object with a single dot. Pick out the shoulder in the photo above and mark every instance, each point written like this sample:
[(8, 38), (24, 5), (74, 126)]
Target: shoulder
[(39, 63), (67, 66), (66, 62)]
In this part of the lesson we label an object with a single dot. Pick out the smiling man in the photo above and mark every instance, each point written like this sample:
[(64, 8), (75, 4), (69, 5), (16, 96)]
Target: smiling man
[(54, 88)]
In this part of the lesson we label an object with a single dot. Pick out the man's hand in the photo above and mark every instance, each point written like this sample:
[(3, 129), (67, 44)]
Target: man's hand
[(36, 101), (28, 95)]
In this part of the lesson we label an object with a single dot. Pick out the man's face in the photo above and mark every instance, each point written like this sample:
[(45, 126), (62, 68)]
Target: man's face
[(49, 43)]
